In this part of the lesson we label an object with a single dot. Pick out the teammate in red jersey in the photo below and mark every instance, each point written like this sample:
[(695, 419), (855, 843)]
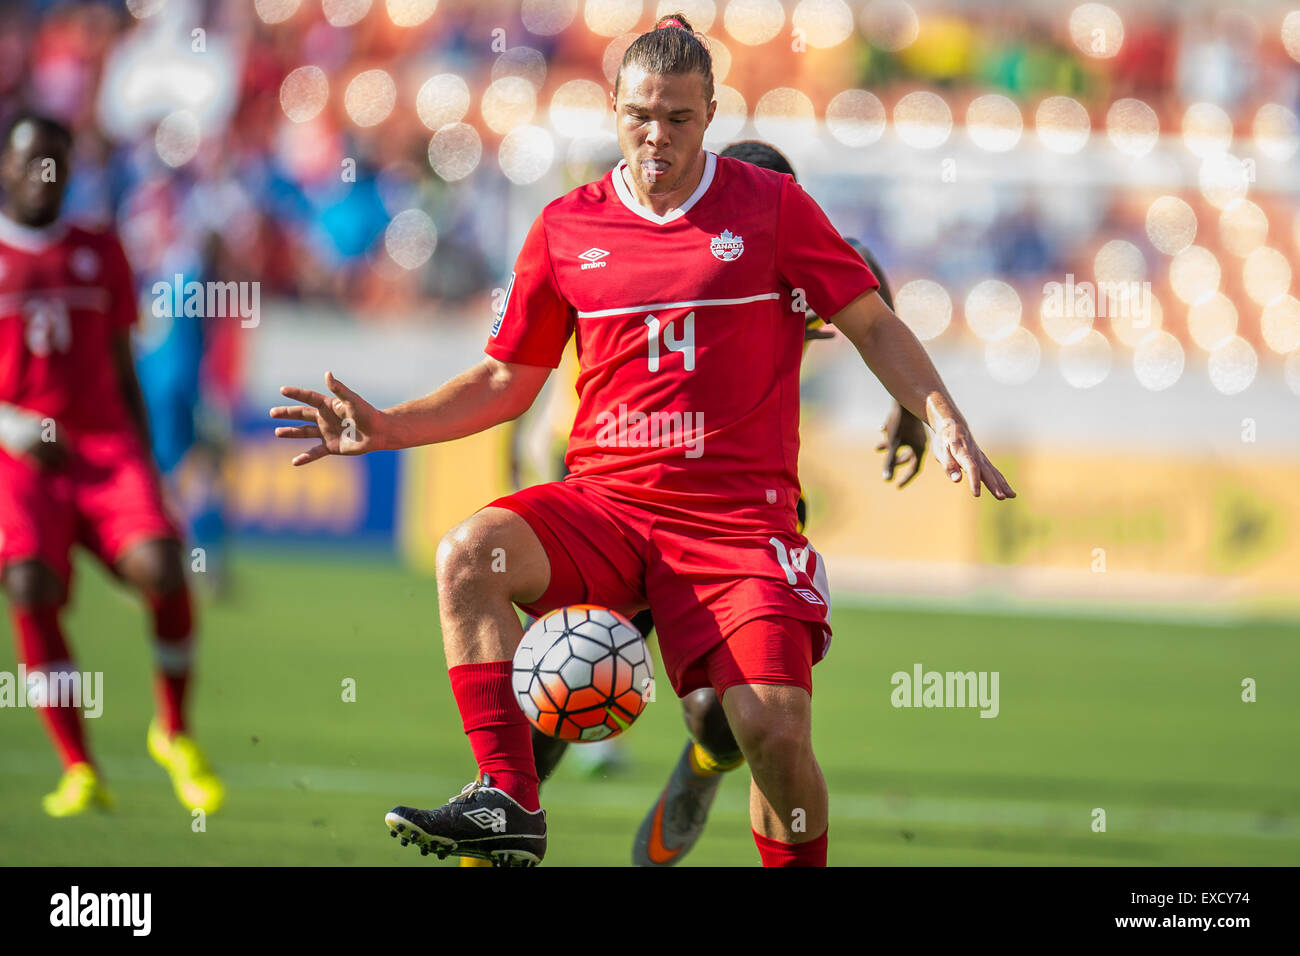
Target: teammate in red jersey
[(75, 466), (684, 277)]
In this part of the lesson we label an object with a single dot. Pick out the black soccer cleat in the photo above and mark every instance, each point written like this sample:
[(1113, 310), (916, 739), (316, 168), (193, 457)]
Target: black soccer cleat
[(481, 821)]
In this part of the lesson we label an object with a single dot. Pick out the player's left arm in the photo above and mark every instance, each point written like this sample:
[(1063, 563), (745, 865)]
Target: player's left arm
[(124, 364), (897, 358)]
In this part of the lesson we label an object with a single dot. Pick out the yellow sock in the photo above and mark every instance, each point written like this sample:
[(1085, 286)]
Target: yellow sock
[(706, 765)]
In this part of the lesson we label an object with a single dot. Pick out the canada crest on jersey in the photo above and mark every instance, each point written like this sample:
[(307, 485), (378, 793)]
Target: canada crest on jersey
[(727, 246)]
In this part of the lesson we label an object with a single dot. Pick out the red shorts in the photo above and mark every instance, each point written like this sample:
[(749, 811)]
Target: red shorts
[(702, 575), (106, 496)]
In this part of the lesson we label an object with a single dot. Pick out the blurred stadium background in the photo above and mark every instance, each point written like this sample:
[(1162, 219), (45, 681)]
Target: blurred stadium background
[(374, 167)]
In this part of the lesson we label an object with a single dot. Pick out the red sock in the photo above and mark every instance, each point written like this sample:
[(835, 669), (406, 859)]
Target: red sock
[(41, 648), (173, 623), (498, 732), (776, 853)]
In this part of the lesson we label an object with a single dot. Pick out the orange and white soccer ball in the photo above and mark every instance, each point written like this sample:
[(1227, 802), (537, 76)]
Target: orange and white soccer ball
[(582, 673)]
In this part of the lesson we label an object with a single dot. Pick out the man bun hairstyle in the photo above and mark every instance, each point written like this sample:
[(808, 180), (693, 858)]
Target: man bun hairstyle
[(671, 48)]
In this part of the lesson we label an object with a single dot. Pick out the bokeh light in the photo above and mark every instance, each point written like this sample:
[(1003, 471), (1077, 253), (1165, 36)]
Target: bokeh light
[(1243, 227), (1291, 367), (1013, 359), (521, 61), (526, 154), (546, 18), (720, 54), (923, 120), (370, 97), (1119, 261), (1062, 124), (730, 117), (455, 151), (508, 103), (925, 306), (1133, 127), (1194, 274), (822, 23), (609, 18), (143, 9), (410, 238), (1158, 362), (1232, 366), (1096, 30), (1280, 324), (443, 99), (1207, 129), (752, 22), (1171, 225), (613, 55), (303, 93), (1137, 323), (1266, 274), (1276, 132), (177, 138), (993, 310), (1212, 321), (994, 123), (271, 11), (856, 117), (785, 117), (410, 13), (1223, 179), (1069, 317), (1085, 362), (344, 13), (1291, 34), (890, 25), (580, 108)]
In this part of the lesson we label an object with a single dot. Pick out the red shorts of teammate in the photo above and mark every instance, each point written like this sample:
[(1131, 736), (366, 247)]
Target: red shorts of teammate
[(734, 600), (105, 496)]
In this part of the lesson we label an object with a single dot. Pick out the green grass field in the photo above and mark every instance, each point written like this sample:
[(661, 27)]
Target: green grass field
[(1144, 720)]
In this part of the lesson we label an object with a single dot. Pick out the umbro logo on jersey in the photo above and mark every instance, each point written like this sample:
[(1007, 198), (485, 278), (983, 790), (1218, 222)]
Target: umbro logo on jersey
[(485, 819), (593, 257), (812, 597), (727, 246)]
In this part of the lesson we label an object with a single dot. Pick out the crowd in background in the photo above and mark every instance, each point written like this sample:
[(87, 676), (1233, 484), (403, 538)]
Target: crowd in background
[(262, 198)]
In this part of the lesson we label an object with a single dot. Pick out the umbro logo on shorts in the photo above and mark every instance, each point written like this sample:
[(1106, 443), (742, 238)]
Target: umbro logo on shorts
[(485, 819), (812, 597), (594, 255)]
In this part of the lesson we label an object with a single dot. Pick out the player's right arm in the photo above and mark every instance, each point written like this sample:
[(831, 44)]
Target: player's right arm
[(344, 423)]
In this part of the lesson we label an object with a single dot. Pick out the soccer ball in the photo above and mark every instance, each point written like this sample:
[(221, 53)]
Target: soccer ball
[(582, 673)]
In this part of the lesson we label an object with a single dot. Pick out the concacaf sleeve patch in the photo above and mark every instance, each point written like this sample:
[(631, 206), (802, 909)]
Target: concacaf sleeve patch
[(505, 301)]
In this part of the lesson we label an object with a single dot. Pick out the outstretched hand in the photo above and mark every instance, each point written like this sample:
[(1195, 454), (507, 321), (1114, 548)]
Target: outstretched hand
[(344, 424), (957, 452)]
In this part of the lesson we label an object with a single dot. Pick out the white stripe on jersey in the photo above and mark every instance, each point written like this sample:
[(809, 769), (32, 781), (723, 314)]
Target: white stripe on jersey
[(690, 304)]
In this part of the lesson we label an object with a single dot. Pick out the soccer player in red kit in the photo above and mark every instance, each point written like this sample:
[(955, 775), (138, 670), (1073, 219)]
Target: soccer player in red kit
[(684, 277), (75, 465)]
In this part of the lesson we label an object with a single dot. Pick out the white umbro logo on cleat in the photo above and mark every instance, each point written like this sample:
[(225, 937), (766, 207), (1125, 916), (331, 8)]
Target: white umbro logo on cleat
[(593, 257), (485, 819)]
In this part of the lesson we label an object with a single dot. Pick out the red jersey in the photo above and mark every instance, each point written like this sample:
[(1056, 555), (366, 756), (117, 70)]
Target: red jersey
[(64, 294), (689, 329)]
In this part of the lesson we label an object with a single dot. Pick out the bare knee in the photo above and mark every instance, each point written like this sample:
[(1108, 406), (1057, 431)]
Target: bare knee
[(33, 584), (154, 567), (773, 724), (491, 555)]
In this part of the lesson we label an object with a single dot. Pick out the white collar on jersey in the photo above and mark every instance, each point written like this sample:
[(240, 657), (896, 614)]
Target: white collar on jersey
[(30, 239), (629, 199)]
